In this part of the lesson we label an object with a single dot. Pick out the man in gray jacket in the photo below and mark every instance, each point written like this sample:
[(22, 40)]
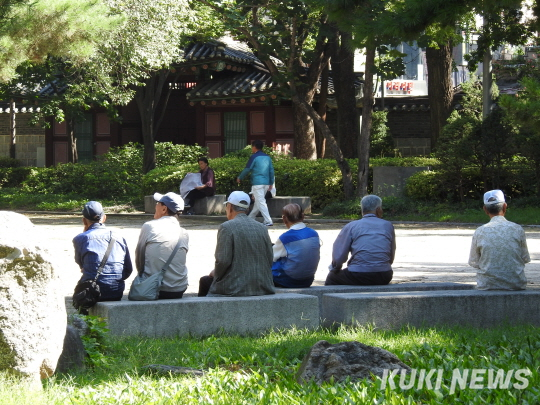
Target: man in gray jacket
[(243, 255)]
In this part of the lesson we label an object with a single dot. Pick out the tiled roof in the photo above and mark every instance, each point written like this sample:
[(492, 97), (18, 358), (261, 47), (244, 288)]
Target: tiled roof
[(248, 84), (215, 50)]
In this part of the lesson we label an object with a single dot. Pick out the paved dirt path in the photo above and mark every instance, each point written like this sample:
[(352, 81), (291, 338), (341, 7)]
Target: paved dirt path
[(425, 252)]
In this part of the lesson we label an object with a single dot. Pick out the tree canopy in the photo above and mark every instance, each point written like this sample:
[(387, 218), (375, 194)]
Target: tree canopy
[(33, 30)]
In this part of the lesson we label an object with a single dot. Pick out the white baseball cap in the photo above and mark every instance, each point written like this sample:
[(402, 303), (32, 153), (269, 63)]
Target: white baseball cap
[(493, 197), (238, 198)]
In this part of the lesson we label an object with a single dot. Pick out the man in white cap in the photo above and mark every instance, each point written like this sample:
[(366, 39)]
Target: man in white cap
[(157, 241), (499, 249), (243, 255)]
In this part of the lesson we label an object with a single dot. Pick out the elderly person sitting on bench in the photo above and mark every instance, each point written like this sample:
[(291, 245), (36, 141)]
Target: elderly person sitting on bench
[(296, 252), (371, 241), (499, 249)]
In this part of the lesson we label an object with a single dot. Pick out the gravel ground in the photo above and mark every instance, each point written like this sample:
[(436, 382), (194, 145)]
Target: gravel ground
[(425, 252)]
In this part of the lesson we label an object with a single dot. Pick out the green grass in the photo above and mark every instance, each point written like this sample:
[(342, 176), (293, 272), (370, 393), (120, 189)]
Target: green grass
[(261, 370), (524, 212)]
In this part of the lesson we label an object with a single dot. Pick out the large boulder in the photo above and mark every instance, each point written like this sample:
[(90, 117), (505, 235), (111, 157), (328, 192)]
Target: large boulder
[(32, 311), (355, 360)]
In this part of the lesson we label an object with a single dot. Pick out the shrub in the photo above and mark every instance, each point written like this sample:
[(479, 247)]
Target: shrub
[(382, 142), (9, 162), (320, 179), (14, 176), (423, 185)]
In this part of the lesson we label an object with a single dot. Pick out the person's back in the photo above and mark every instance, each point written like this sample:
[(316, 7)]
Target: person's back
[(161, 236), (499, 248), (296, 252), (243, 260), (90, 247), (371, 247), (371, 243), (157, 241)]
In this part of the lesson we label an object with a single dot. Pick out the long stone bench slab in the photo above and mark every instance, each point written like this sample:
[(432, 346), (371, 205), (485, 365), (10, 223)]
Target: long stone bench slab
[(204, 316), (319, 291), (215, 205), (393, 310)]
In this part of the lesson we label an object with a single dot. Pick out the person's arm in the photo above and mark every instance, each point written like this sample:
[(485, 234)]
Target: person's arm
[(279, 250), (340, 250), (271, 172), (141, 249), (224, 252), (474, 255), (128, 266), (247, 169), (211, 178), (524, 250), (78, 256), (393, 245)]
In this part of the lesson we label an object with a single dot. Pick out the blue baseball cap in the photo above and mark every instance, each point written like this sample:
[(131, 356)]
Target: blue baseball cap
[(172, 200), (93, 211)]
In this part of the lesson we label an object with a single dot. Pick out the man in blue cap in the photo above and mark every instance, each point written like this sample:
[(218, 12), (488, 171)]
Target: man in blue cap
[(90, 247), (157, 241)]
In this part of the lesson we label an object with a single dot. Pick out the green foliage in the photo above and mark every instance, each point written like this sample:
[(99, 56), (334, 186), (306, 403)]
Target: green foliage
[(261, 370), (14, 176), (34, 30), (117, 174), (382, 143), (414, 161), (474, 153), (9, 162), (94, 341), (319, 179), (423, 185)]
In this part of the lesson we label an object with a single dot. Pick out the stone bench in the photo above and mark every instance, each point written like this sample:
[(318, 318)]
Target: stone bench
[(215, 205), (204, 316), (319, 291), (393, 310)]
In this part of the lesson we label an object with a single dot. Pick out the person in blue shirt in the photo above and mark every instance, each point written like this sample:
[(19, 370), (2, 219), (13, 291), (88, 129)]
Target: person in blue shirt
[(90, 247), (261, 171), (296, 252), (371, 242)]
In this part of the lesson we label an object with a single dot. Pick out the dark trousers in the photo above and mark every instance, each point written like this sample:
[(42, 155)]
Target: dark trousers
[(193, 196), (204, 285), (170, 295), (346, 277)]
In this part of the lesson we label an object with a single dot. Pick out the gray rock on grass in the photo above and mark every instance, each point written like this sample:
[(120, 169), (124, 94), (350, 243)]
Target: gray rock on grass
[(355, 360)]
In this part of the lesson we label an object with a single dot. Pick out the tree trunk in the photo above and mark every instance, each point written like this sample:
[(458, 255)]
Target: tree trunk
[(304, 132), (440, 92), (343, 78), (365, 132), (300, 104), (73, 155), (147, 99), (12, 130), (323, 96)]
